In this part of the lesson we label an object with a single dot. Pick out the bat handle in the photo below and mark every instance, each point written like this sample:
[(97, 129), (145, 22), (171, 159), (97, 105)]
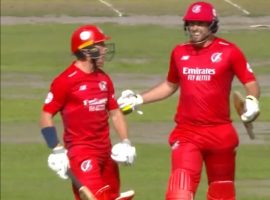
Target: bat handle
[(74, 180), (84, 192)]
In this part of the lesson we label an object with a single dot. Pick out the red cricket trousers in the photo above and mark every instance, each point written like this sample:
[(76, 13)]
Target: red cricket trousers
[(94, 170), (214, 146)]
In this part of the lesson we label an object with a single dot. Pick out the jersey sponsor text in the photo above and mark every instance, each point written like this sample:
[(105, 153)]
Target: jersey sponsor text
[(198, 74), (95, 104)]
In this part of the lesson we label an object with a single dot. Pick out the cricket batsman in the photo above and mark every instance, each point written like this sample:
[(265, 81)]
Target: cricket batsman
[(202, 69), (84, 96)]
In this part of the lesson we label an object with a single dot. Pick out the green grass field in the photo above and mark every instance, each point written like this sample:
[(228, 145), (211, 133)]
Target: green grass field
[(138, 7), (32, 54), (26, 176)]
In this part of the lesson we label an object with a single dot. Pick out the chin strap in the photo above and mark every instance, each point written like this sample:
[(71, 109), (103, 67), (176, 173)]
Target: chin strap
[(94, 62)]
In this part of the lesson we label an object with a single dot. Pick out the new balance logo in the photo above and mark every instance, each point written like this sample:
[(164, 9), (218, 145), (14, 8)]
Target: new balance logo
[(185, 57), (82, 87)]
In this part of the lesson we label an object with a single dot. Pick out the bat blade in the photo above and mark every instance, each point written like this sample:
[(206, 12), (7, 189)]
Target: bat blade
[(84, 192), (239, 105)]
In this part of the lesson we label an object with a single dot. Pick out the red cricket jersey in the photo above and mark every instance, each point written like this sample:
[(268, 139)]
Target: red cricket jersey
[(84, 101), (205, 76)]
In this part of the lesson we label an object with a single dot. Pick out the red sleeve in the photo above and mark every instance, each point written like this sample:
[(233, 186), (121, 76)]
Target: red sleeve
[(56, 97), (173, 75), (112, 102), (241, 67)]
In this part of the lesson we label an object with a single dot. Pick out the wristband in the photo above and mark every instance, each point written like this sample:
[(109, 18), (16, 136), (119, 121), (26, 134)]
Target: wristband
[(252, 98), (50, 136), (126, 141), (59, 149)]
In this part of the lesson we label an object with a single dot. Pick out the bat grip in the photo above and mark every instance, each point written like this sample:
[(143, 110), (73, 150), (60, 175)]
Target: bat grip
[(84, 192), (74, 180)]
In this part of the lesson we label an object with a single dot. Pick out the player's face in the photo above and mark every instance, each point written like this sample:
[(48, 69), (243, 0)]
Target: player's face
[(102, 51), (198, 31)]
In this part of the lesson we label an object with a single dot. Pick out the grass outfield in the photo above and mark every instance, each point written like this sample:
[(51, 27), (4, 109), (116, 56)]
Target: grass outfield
[(138, 7), (25, 173), (31, 55)]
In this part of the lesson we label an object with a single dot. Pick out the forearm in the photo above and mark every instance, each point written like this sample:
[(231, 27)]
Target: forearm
[(119, 123), (159, 92), (252, 88), (46, 120), (48, 130)]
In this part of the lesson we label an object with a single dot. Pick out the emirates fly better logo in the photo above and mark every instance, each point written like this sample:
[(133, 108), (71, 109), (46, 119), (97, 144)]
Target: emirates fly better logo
[(198, 73)]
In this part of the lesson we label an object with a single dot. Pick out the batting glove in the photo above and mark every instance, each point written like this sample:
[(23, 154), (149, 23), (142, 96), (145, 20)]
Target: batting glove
[(251, 109), (58, 162), (123, 152), (129, 101)]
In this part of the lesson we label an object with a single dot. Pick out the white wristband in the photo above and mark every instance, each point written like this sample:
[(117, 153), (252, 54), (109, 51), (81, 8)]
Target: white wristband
[(126, 141)]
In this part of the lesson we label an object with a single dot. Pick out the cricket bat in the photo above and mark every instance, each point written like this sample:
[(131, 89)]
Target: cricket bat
[(239, 105), (84, 192)]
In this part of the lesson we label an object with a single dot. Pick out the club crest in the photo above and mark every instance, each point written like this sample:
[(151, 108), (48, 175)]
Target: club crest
[(216, 57), (86, 165), (196, 8), (103, 86)]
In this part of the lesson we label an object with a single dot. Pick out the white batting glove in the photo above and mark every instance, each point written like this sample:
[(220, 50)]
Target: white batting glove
[(129, 101), (251, 109), (123, 152), (58, 162)]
